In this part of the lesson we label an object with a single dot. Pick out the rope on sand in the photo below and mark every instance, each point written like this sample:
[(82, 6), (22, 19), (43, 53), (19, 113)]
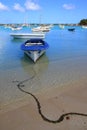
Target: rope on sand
[(20, 86)]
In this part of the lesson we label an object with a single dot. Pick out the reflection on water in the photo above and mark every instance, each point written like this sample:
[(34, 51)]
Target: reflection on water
[(15, 40), (39, 67), (18, 40)]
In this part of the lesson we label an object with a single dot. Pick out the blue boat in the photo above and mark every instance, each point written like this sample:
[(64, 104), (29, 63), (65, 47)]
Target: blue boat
[(34, 48), (71, 29)]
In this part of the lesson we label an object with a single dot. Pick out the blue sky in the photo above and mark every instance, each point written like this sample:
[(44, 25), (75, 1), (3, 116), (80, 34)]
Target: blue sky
[(42, 11)]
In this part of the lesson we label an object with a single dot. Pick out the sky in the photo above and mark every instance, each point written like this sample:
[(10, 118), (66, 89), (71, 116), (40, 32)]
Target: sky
[(42, 11)]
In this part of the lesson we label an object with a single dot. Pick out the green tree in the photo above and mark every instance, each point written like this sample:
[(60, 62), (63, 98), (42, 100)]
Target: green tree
[(83, 22)]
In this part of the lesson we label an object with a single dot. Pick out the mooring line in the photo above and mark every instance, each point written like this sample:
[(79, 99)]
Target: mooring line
[(21, 85)]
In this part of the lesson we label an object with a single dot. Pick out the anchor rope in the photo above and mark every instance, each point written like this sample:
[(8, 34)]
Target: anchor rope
[(21, 85)]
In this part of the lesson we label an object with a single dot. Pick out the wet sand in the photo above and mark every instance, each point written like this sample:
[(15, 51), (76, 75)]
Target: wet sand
[(53, 102)]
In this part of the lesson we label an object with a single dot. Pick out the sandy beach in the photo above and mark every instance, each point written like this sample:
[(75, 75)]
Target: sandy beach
[(54, 102)]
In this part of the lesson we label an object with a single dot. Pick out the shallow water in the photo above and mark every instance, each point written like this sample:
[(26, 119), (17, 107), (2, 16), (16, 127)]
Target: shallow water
[(64, 62)]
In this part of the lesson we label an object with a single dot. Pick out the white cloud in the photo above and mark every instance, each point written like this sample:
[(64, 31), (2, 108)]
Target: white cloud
[(18, 7), (30, 5), (3, 7), (68, 6)]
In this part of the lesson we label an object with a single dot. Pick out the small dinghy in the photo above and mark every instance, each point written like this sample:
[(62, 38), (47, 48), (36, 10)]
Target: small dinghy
[(71, 29), (34, 48)]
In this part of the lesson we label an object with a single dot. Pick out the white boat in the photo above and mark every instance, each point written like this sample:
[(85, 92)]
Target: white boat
[(61, 26), (16, 28), (41, 29), (34, 48), (28, 35), (85, 27)]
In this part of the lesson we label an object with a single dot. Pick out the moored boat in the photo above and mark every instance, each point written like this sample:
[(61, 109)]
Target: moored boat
[(28, 35), (34, 48), (61, 26), (41, 29), (84, 26), (71, 29)]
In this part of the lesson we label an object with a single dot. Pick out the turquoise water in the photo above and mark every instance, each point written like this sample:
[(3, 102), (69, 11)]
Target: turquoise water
[(65, 61)]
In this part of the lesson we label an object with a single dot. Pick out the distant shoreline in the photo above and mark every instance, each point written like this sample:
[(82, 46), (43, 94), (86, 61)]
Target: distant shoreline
[(20, 24)]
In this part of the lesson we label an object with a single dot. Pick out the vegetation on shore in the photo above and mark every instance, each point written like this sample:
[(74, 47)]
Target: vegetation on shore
[(83, 22)]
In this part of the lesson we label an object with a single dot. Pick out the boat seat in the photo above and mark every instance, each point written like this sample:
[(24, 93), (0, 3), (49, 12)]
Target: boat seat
[(30, 43)]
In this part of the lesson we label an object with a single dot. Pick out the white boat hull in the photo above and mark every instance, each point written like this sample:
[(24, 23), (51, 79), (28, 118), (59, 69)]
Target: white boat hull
[(34, 55), (41, 29), (28, 35), (16, 28), (84, 27)]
